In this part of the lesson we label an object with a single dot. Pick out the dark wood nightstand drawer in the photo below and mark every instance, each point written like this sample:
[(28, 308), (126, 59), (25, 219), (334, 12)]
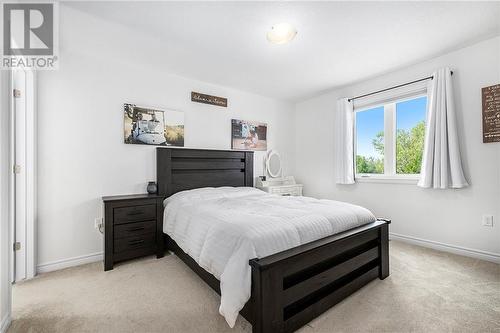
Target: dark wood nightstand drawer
[(135, 229), (135, 243), (134, 213)]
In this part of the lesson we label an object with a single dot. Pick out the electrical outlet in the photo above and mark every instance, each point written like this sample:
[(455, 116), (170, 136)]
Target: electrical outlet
[(98, 223), (487, 220)]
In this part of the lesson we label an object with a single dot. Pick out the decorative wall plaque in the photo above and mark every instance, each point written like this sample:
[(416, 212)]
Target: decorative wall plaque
[(491, 114), (208, 99)]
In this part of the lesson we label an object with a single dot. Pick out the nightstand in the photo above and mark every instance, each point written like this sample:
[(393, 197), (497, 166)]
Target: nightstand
[(132, 227)]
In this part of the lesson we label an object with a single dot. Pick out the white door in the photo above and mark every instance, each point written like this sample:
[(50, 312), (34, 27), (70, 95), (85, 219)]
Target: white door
[(23, 179)]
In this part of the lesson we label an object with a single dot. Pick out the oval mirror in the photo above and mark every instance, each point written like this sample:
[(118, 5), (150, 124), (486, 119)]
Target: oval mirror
[(273, 164)]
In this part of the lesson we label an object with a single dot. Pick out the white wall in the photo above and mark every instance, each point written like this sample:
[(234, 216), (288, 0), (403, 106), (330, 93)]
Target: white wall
[(81, 154), (447, 216)]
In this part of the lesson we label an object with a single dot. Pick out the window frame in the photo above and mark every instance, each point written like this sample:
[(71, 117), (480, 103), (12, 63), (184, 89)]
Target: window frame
[(390, 122)]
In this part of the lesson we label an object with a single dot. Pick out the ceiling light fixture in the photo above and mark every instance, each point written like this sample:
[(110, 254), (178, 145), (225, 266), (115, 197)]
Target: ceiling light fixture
[(281, 33)]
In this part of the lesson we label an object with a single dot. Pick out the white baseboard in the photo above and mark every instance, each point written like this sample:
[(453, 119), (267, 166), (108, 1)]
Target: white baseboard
[(464, 251), (4, 325), (69, 262)]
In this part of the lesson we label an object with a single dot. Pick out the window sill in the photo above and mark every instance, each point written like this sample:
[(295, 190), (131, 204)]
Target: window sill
[(387, 180)]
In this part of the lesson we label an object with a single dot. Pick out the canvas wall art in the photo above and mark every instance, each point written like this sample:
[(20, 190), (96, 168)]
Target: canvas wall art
[(248, 135), (153, 127)]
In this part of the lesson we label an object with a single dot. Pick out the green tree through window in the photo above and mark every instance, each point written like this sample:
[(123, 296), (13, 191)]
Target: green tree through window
[(369, 164), (409, 150)]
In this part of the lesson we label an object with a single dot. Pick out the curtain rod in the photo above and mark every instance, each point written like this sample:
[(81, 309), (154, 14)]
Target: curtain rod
[(386, 89)]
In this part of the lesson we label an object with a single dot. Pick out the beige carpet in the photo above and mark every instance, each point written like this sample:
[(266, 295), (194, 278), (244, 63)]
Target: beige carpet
[(428, 291)]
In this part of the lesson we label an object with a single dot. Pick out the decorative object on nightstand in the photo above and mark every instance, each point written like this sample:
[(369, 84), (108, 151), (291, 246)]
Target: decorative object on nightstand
[(275, 182), (152, 188), (132, 227)]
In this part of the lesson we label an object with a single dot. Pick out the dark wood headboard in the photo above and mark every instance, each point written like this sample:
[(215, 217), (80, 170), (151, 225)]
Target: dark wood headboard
[(179, 169)]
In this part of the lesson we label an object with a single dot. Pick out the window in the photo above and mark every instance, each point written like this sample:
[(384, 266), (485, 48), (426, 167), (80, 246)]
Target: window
[(390, 138)]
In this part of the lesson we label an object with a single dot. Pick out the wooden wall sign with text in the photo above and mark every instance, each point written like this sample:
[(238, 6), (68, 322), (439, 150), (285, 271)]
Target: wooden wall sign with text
[(208, 99), (491, 114)]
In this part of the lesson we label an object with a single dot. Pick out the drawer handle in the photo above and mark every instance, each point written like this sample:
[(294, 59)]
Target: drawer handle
[(136, 229), (135, 212), (136, 242)]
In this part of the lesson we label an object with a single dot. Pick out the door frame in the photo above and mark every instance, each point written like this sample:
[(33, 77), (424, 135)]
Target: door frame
[(23, 152), (5, 239)]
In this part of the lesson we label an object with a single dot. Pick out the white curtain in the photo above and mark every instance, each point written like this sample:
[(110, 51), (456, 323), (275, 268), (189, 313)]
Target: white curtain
[(344, 142), (441, 162)]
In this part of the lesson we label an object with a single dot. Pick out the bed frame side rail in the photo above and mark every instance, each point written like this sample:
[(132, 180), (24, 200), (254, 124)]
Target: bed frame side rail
[(292, 287)]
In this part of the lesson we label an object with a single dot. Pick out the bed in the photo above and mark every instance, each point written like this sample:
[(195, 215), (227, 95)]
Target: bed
[(288, 288)]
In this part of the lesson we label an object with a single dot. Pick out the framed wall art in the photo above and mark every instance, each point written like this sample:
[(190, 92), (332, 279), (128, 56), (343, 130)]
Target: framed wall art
[(149, 126), (248, 135)]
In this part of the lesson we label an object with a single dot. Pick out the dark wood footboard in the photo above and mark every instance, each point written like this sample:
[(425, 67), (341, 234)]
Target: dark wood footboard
[(292, 287)]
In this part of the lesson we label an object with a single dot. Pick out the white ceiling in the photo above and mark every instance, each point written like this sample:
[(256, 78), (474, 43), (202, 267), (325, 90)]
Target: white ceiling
[(337, 42)]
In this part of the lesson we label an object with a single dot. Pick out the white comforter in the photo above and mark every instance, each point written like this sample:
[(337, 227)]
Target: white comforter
[(223, 228)]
